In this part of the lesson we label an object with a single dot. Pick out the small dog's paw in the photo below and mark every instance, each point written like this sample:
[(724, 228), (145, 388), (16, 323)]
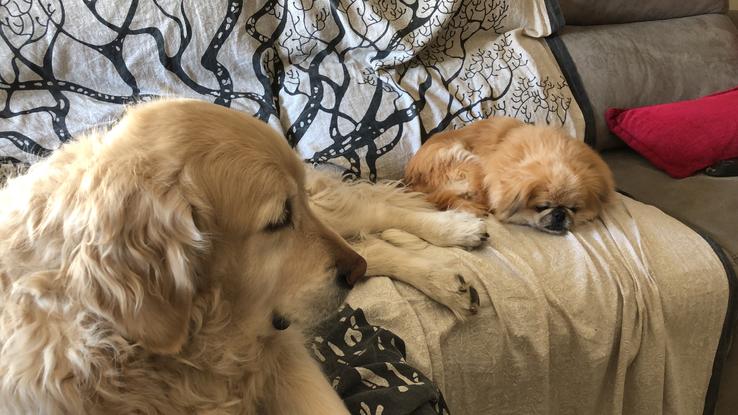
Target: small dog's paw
[(455, 228)]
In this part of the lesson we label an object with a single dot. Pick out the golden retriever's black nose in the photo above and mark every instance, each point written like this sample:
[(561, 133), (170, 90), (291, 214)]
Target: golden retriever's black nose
[(350, 268)]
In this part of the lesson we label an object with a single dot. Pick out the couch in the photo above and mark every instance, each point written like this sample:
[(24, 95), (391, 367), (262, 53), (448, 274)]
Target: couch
[(632, 54), (631, 314)]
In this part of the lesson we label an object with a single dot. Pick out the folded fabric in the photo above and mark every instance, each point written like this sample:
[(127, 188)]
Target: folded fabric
[(367, 367), (683, 137)]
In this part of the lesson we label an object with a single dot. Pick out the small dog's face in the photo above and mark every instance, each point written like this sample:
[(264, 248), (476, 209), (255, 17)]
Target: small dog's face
[(555, 209), (551, 184)]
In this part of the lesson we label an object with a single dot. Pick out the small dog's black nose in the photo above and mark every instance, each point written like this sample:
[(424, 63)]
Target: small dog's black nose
[(558, 215)]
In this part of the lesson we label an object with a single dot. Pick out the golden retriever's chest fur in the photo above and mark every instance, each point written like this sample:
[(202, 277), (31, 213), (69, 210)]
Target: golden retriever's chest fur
[(62, 359)]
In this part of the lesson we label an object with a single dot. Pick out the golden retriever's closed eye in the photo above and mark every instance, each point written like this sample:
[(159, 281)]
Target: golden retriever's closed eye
[(525, 174)]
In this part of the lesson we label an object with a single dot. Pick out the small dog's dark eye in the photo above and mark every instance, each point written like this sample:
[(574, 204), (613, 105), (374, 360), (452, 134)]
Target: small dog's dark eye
[(573, 209), (284, 220), (541, 208)]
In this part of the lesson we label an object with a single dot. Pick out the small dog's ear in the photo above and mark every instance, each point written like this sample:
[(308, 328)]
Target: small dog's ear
[(509, 196), (136, 259), (507, 203)]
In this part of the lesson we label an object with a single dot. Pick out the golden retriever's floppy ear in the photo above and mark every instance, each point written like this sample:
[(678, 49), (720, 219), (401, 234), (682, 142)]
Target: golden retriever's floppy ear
[(136, 259)]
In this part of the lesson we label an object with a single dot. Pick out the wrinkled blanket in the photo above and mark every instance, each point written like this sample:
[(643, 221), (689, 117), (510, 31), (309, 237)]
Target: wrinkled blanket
[(622, 316)]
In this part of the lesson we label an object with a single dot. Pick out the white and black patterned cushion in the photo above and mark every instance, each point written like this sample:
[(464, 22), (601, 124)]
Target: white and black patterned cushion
[(357, 84)]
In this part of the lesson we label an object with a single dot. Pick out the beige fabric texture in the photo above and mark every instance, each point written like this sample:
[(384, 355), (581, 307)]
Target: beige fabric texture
[(708, 204), (609, 319)]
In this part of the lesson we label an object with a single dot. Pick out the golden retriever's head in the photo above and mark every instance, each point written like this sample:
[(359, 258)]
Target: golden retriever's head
[(550, 181), (183, 196)]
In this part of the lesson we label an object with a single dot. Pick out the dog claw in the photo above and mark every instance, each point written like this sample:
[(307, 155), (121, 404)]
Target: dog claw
[(462, 282), (474, 297)]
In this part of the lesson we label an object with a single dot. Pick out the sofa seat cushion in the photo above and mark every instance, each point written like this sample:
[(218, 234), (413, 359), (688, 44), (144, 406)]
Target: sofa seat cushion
[(707, 204)]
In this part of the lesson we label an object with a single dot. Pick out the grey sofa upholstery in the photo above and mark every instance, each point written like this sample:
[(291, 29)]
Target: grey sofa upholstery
[(644, 63), (592, 12), (629, 54)]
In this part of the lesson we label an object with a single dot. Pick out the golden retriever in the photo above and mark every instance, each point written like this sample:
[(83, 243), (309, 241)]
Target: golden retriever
[(171, 264), (524, 174)]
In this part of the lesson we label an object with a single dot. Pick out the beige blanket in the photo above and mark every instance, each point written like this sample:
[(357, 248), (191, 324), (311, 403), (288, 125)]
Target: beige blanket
[(622, 316)]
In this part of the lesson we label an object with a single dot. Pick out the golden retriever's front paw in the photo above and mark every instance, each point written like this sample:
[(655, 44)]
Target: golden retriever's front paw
[(473, 296), (456, 228), (455, 293)]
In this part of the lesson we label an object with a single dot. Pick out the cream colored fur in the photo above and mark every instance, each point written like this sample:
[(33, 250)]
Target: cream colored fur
[(140, 268)]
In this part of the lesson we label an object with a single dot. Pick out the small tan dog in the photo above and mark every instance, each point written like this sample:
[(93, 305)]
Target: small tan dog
[(524, 174), (155, 268)]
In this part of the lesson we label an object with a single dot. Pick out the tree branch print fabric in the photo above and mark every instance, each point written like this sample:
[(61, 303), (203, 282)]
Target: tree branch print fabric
[(355, 84)]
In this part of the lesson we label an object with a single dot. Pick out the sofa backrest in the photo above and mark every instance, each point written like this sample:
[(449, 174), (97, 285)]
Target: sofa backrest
[(590, 12)]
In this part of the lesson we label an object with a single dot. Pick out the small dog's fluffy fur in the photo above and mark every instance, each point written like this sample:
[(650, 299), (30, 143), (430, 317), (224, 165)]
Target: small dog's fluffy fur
[(524, 174), (153, 268)]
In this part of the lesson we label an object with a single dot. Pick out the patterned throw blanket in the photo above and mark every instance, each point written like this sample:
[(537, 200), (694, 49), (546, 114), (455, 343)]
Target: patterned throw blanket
[(355, 84)]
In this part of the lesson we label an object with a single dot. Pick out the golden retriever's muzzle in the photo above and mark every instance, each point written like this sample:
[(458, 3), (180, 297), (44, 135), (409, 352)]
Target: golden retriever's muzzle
[(350, 267)]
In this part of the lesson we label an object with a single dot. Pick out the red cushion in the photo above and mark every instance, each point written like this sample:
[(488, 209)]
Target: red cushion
[(683, 137)]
